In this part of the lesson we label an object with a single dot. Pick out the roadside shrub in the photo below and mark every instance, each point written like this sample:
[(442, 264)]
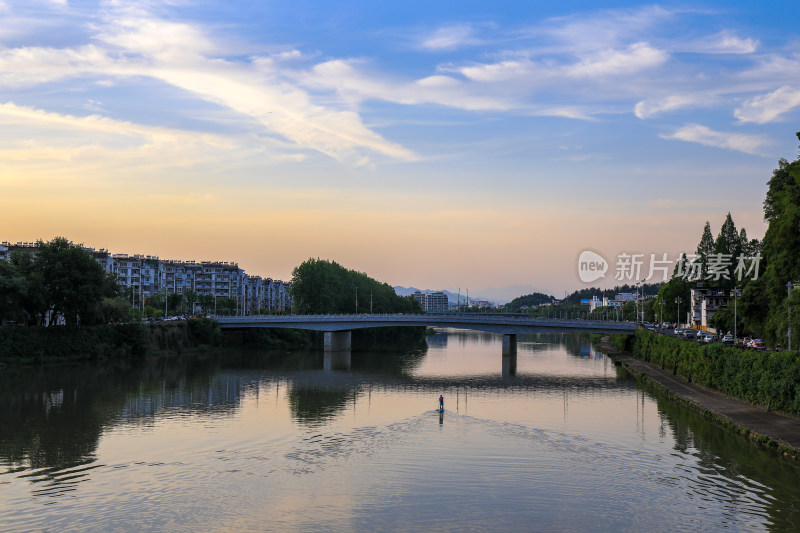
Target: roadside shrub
[(765, 378)]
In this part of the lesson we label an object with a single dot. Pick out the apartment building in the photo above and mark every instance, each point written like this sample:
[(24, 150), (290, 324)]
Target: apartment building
[(434, 301), (142, 276)]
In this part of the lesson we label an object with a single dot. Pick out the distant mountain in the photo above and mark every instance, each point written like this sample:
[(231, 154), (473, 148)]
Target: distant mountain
[(452, 297)]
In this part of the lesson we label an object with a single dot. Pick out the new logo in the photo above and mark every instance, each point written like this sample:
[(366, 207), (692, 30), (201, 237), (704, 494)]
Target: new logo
[(591, 266)]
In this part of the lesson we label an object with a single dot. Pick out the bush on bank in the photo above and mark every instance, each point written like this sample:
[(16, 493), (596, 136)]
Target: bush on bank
[(63, 343), (761, 378)]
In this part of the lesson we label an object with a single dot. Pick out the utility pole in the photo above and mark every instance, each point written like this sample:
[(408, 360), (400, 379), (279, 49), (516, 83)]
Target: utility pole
[(356, 300)]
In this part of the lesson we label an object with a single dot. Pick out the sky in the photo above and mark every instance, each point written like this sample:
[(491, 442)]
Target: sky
[(440, 145)]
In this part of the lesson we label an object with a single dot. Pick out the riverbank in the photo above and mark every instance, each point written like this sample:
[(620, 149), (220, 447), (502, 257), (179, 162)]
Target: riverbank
[(767, 428)]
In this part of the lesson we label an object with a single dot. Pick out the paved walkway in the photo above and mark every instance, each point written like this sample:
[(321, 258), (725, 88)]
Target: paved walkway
[(781, 428)]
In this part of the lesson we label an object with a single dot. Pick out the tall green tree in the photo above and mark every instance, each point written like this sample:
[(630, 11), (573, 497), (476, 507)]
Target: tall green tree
[(780, 251), (75, 284), (728, 241), (704, 250)]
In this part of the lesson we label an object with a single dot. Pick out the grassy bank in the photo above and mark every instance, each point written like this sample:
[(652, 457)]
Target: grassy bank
[(771, 379)]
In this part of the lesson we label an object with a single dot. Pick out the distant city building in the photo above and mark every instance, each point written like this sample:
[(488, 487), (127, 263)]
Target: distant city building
[(434, 301), (142, 276), (596, 302)]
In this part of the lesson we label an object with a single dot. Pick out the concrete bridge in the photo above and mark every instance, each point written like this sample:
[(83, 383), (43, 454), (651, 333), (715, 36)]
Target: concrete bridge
[(338, 328)]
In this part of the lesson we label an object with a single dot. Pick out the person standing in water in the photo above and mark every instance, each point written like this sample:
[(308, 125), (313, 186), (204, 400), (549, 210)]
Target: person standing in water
[(441, 403)]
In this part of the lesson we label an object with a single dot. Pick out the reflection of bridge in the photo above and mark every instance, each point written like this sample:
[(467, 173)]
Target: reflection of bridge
[(337, 328)]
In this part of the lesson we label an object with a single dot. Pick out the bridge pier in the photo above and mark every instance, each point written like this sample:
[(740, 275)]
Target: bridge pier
[(336, 341), (509, 356)]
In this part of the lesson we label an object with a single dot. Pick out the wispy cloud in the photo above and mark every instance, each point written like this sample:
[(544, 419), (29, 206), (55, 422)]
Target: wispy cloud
[(356, 84), (768, 107), (636, 57), (723, 42), (450, 37), (655, 106), (182, 55), (696, 133)]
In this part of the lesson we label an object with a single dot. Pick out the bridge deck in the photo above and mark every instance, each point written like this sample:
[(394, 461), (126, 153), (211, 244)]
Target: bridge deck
[(491, 323)]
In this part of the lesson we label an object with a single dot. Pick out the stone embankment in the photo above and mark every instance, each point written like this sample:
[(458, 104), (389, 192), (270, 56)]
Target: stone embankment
[(768, 428)]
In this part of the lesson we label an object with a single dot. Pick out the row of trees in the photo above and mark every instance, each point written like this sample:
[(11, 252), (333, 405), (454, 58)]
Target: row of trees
[(61, 283), (323, 286), (764, 297), (714, 265), (170, 303), (571, 306)]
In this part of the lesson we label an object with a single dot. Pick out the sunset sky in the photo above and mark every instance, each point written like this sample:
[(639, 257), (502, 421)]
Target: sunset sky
[(480, 145)]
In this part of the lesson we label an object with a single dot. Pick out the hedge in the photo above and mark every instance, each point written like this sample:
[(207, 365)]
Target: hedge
[(757, 377)]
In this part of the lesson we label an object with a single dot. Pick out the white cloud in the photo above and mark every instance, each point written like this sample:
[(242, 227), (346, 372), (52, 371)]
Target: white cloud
[(449, 37), (652, 107), (499, 72), (604, 29), (178, 55), (768, 107), (749, 144), (721, 43), (167, 41), (21, 67), (636, 57), (355, 84)]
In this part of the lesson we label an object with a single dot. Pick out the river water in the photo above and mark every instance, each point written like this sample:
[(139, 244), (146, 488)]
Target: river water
[(264, 441)]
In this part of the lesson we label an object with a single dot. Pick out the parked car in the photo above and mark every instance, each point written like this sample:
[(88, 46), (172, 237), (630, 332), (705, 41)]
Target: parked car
[(688, 334), (757, 344), (678, 331), (727, 339)]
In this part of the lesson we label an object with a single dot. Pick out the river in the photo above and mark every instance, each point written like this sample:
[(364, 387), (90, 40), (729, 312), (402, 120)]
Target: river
[(244, 440)]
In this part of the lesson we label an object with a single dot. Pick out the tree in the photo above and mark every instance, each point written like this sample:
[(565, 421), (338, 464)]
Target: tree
[(30, 287), (764, 301), (727, 241), (73, 281), (322, 286), (12, 294), (704, 249), (191, 298)]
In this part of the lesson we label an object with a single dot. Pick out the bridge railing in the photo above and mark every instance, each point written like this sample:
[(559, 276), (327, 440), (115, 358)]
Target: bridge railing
[(422, 317)]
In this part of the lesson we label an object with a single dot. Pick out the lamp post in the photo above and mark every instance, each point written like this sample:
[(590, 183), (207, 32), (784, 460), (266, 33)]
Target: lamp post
[(735, 295), (678, 301)]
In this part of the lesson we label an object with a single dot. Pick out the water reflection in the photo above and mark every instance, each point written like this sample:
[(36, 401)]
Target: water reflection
[(53, 420)]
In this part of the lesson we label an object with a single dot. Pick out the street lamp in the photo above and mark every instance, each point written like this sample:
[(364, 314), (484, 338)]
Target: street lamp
[(678, 301), (735, 294)]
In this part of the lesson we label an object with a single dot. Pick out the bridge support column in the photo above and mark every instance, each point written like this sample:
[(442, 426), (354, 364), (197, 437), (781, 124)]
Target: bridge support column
[(509, 356), (337, 350), (336, 341)]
